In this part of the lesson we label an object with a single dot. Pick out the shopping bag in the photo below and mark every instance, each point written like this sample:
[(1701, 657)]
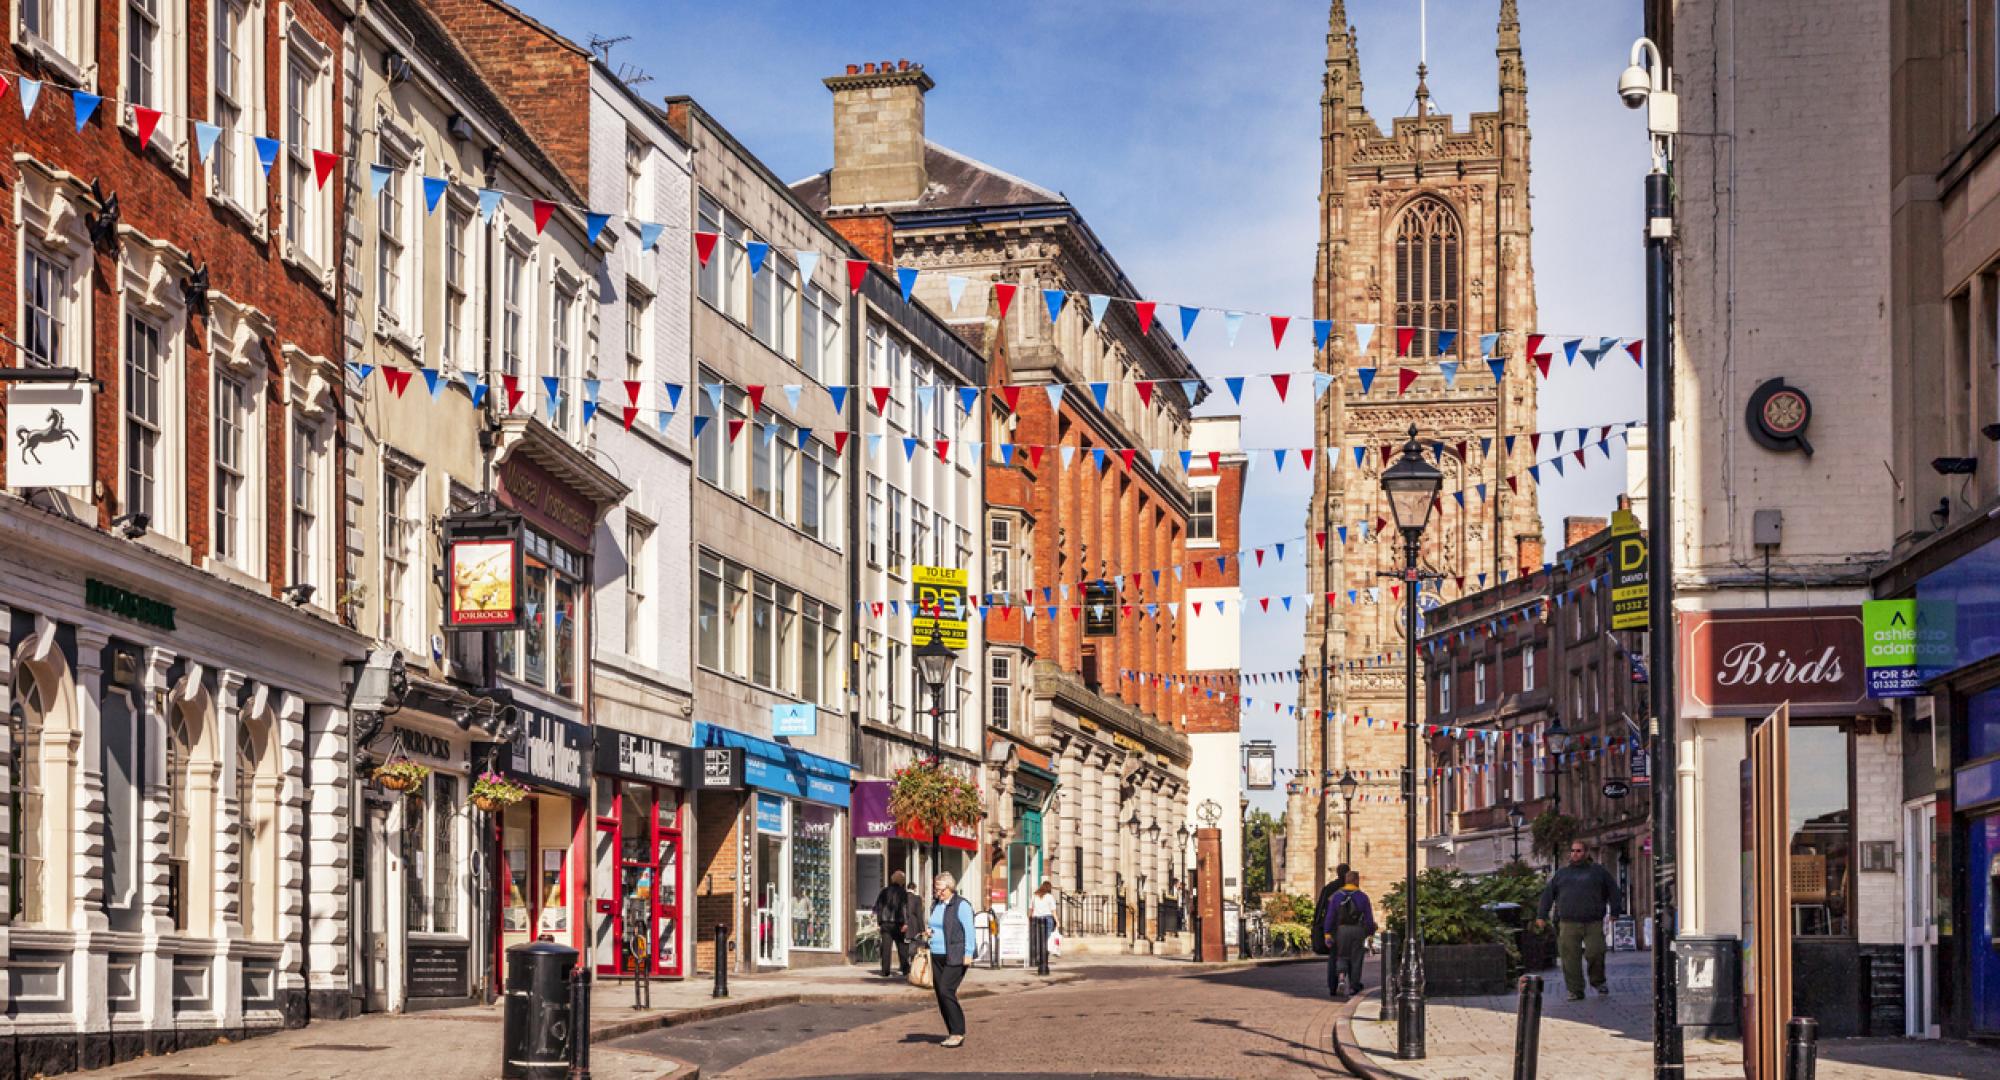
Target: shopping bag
[(920, 970), (1055, 943)]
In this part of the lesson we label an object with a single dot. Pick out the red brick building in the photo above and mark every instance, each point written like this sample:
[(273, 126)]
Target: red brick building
[(172, 608)]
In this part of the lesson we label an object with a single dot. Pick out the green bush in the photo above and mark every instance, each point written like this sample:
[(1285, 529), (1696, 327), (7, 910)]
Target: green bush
[(1514, 883), (1287, 908), (1448, 909), (1292, 935)]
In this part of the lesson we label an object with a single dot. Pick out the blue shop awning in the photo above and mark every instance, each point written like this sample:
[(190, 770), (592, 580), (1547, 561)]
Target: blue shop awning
[(785, 770)]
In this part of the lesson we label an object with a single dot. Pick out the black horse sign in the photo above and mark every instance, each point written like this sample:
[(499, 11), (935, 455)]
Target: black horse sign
[(48, 436)]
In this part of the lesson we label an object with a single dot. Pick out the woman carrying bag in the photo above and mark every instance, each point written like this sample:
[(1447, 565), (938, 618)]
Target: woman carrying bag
[(1043, 910), (951, 952)]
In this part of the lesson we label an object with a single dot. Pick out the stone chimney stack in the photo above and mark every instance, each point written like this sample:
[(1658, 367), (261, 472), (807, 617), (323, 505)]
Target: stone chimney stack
[(878, 134), (1578, 529)]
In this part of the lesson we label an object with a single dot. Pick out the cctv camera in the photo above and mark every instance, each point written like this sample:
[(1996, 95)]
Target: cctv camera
[(1634, 86)]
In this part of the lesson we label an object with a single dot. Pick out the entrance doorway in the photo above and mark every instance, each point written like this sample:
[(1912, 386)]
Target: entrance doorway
[(641, 901), (774, 881), (372, 935), (1920, 918)]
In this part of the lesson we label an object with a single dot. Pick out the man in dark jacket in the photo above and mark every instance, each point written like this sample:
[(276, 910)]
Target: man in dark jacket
[(1581, 895), (1322, 942), (1350, 919), (893, 919)]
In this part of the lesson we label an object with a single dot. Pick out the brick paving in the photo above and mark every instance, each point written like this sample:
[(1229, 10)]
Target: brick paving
[(464, 1043), (1611, 1038)]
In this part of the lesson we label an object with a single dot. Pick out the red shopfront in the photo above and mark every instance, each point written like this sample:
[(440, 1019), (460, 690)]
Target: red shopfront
[(539, 842), (640, 796)]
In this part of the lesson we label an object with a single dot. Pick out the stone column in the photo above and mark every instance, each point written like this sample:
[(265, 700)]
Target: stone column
[(1090, 816), (1117, 868), (329, 854), (88, 1007), (156, 978), (288, 743), (1062, 860)]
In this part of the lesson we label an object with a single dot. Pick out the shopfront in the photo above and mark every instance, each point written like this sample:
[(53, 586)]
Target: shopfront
[(1737, 667), (792, 849), (542, 842), (640, 796)]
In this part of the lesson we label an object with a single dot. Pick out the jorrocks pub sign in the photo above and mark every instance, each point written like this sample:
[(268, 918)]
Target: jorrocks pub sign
[(1746, 663)]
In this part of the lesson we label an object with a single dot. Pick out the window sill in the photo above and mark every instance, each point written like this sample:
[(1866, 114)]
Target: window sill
[(412, 346), (258, 221), (70, 73), (171, 151), (228, 570), (310, 266)]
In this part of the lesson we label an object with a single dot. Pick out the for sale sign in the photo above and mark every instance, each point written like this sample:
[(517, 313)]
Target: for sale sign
[(1889, 634)]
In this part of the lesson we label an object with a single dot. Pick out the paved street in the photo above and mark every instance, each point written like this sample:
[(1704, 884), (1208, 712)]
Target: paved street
[(1267, 1021)]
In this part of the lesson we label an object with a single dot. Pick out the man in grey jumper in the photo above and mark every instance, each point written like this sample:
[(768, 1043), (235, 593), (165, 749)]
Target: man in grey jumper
[(1581, 895)]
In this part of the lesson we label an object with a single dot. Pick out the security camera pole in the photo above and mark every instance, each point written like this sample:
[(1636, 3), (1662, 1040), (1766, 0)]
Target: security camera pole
[(1649, 83)]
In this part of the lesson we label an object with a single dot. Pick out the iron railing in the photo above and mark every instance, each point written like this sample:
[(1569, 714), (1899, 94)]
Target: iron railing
[(1088, 914)]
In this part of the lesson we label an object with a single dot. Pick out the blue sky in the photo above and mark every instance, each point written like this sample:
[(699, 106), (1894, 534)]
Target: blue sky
[(1187, 132)]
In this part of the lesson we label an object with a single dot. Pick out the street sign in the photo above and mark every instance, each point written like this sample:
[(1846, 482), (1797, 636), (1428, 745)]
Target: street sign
[(1100, 609), (1616, 789), (941, 608), (1628, 572), (1889, 644)]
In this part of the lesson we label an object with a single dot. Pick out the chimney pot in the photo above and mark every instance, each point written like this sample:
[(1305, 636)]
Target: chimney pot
[(854, 69), (869, 67), (902, 65)]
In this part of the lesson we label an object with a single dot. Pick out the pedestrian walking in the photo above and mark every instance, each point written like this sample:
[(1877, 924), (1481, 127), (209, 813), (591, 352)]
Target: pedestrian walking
[(1043, 912), (1321, 943), (1350, 922), (1581, 895), (951, 946), (892, 920)]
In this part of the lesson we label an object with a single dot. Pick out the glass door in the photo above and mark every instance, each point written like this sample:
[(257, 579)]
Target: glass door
[(667, 888), (773, 882), (1920, 936)]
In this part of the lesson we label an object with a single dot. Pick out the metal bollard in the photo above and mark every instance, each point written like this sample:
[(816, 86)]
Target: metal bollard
[(579, 1008), (1243, 935), (1528, 1028), (1801, 1048), (721, 961)]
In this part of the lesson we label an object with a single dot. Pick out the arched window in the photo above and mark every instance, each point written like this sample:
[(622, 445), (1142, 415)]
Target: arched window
[(1427, 272), (248, 825), (25, 864)]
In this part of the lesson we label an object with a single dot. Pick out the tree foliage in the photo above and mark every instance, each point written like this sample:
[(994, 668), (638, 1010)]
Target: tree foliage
[(1257, 835), (1451, 906)]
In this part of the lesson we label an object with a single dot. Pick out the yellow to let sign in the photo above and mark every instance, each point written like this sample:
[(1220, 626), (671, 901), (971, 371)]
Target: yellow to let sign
[(1629, 598), (941, 607)]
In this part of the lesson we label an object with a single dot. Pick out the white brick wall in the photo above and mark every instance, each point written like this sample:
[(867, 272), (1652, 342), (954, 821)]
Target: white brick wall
[(1878, 815)]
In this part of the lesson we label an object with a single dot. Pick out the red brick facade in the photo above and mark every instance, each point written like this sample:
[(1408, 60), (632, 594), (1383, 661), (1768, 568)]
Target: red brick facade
[(163, 196), (544, 77)]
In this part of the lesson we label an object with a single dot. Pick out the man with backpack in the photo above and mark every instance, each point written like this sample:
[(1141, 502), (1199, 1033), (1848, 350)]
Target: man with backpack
[(892, 920), (1350, 922)]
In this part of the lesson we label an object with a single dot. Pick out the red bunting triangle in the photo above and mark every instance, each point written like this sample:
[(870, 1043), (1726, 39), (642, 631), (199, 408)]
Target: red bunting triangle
[(756, 397), (399, 380), (1003, 293), (1579, 458), (145, 120), (1012, 396), (1075, 612), (1279, 323), (881, 396), (1381, 523), (1321, 537), (839, 443), (1145, 387), (944, 449), (1404, 377), (704, 246), (514, 391), (1513, 485), (1535, 441), (1035, 455), (1281, 383), (857, 272), (543, 210), (1396, 591), (735, 429), (1637, 349), (1535, 343), (1215, 460), (1461, 449), (1260, 556), (632, 390), (1542, 361), (1404, 335), (1144, 310), (1387, 450), (323, 165), (1127, 454), (1306, 459), (1266, 602), (631, 413)]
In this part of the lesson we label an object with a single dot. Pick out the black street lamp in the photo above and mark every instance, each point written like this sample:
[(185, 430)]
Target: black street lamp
[(1516, 819), (1348, 786), (934, 661), (1412, 485), (1557, 741)]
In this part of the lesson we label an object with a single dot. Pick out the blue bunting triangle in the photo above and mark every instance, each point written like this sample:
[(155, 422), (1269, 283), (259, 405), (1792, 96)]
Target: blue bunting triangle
[(673, 395), (758, 251), (906, 276), (968, 397), (85, 104), (1367, 375), (1188, 315), (1101, 391), (593, 224), (433, 191), (378, 177), (1055, 397), (1055, 299), (1569, 350), (205, 135), (431, 380), (1499, 366), (839, 396), (1449, 369), (1446, 339), (1322, 329), (649, 234), (489, 201), (267, 153), (1097, 306)]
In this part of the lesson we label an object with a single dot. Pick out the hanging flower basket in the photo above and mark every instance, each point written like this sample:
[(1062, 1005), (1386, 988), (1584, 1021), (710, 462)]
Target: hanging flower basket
[(401, 774), (493, 792), (928, 796)]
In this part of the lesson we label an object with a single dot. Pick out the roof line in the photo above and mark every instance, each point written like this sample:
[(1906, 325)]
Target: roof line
[(1053, 196)]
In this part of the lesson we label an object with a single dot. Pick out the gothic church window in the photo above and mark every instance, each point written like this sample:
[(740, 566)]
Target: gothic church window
[(1427, 272)]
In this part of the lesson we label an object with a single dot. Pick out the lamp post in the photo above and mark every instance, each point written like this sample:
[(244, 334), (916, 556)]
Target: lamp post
[(1557, 740), (1516, 819), (1411, 485), (934, 661), (1648, 82), (1348, 786)]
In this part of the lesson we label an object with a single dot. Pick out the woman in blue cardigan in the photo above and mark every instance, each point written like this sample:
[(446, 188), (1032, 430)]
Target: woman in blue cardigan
[(952, 951)]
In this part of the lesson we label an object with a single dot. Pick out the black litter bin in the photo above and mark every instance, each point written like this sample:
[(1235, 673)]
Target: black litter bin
[(1711, 997), (536, 1037)]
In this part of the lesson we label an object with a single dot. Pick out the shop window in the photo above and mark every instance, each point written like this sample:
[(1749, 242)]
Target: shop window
[(1822, 831), (813, 880), (431, 859), (552, 601)]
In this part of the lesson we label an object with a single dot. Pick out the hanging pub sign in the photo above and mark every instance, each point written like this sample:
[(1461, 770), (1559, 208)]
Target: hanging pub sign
[(48, 435), (483, 568), (1261, 764), (1100, 609)]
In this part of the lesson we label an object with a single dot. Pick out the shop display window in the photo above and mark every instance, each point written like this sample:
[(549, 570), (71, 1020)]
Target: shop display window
[(1822, 831), (638, 903), (433, 866), (814, 831)]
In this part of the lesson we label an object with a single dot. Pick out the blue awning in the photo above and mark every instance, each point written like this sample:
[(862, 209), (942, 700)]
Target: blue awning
[(786, 770)]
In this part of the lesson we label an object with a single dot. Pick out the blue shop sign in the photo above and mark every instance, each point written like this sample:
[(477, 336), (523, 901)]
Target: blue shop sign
[(1958, 612), (770, 815), (799, 720), (785, 770)]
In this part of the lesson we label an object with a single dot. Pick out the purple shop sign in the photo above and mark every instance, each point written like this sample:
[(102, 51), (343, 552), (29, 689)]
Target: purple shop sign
[(870, 810)]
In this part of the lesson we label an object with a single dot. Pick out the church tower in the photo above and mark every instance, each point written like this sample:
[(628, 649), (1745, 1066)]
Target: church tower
[(1424, 228)]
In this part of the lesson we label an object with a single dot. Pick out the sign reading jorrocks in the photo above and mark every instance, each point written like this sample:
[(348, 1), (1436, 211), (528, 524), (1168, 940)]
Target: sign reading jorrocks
[(48, 435), (483, 558)]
